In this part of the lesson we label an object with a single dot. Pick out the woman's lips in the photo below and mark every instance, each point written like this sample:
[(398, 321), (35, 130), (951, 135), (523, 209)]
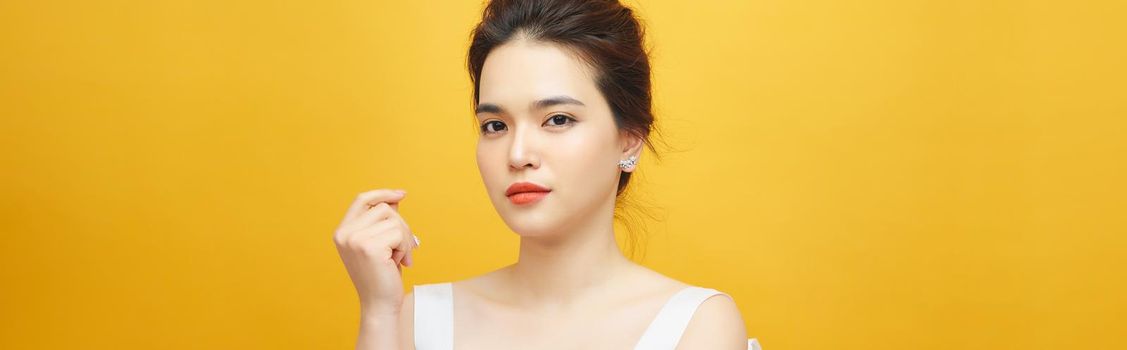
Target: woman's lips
[(525, 186), (527, 197), (526, 192)]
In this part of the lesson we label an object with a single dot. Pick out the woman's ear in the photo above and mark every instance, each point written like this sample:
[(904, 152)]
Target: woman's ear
[(631, 149)]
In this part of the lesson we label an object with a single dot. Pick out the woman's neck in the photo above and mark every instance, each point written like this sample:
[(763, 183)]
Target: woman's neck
[(566, 267)]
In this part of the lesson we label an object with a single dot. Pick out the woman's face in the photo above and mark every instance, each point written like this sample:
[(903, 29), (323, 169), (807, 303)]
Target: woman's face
[(543, 120)]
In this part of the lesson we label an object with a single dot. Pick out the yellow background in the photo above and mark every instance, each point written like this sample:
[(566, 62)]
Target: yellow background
[(857, 174)]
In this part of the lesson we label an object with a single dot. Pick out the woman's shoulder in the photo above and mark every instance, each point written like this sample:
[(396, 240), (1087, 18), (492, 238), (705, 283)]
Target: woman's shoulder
[(644, 279), (669, 284), (716, 321), (716, 324), (474, 284)]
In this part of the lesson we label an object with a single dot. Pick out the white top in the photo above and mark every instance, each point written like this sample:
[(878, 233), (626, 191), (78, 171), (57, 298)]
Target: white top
[(434, 318)]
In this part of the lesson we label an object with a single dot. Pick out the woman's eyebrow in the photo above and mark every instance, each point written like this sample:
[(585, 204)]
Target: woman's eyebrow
[(488, 108), (538, 104), (556, 100)]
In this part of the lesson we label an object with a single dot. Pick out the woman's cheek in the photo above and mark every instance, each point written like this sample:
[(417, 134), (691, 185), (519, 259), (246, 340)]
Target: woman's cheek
[(585, 161), (488, 164)]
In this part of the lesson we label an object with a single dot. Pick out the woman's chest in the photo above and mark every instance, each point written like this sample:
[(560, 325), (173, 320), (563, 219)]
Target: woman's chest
[(608, 327)]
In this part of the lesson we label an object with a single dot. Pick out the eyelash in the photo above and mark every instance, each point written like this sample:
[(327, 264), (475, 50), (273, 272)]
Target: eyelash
[(485, 127)]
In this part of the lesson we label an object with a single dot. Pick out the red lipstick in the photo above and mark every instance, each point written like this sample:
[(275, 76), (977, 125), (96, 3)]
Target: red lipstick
[(526, 193)]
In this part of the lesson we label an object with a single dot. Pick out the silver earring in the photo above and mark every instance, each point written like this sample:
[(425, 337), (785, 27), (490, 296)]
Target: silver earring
[(629, 162)]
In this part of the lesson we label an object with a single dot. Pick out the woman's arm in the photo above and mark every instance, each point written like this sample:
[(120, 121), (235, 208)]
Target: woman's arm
[(386, 332), (373, 241), (378, 332)]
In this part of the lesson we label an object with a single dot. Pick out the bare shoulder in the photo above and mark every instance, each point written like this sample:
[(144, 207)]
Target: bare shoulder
[(716, 324), (482, 287), (484, 280), (646, 278)]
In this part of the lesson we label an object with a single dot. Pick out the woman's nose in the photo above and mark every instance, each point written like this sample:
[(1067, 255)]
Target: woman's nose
[(523, 149)]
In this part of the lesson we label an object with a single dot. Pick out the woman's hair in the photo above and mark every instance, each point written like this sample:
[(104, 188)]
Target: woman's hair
[(603, 33)]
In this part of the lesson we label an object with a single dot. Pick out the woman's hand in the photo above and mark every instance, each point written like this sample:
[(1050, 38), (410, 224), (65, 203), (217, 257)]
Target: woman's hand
[(373, 240)]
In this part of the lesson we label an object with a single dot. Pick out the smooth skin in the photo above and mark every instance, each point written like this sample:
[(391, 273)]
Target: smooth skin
[(571, 288)]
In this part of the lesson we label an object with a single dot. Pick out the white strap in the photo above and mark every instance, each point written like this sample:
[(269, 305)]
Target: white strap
[(434, 316), (666, 329)]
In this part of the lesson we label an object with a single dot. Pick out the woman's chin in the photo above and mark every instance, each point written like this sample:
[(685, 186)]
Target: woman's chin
[(531, 230), (525, 225), (539, 219)]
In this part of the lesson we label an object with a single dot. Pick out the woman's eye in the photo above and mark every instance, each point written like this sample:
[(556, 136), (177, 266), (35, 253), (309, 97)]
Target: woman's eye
[(559, 120), (492, 126)]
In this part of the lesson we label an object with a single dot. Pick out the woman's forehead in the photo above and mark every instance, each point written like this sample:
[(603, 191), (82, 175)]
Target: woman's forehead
[(522, 70)]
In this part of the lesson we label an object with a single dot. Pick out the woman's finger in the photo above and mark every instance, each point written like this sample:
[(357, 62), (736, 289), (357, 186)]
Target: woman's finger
[(365, 200), (379, 212), (407, 240)]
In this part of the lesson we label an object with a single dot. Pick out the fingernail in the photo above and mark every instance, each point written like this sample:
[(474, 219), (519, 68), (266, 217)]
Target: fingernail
[(417, 243), (401, 191)]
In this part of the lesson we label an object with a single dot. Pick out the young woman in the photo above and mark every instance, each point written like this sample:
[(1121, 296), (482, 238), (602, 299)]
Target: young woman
[(562, 96)]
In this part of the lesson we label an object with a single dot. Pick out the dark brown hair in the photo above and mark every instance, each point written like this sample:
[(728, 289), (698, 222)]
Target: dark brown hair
[(603, 33)]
